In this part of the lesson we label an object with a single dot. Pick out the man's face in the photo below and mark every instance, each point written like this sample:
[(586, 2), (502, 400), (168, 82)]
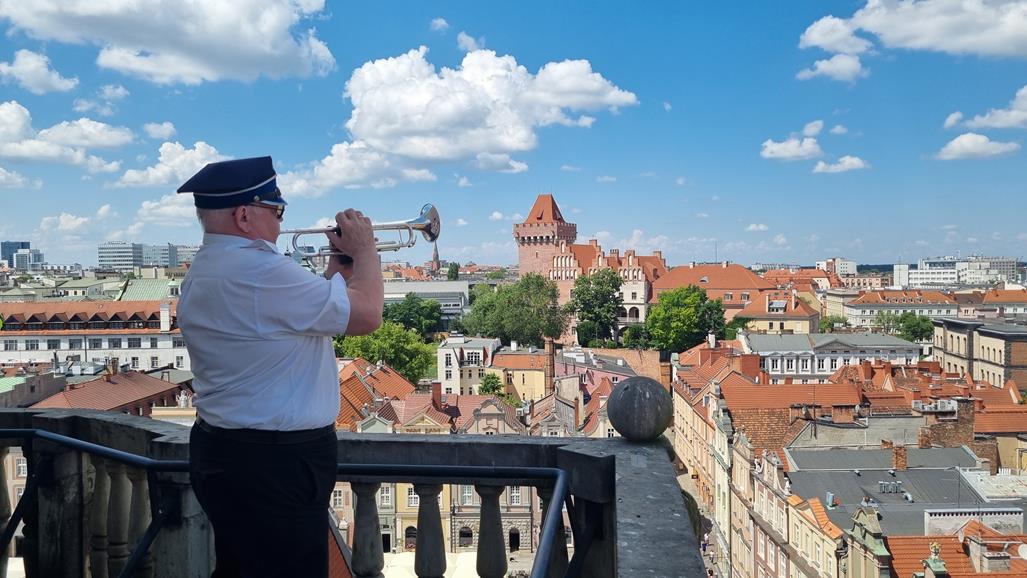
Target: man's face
[(260, 221)]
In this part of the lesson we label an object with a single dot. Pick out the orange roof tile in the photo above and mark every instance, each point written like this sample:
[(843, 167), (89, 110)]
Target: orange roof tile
[(123, 390), (728, 276), (999, 296), (519, 360), (741, 393), (1012, 420), (545, 210)]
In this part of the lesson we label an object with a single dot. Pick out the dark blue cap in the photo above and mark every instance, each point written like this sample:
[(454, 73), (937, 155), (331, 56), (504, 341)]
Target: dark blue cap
[(233, 183)]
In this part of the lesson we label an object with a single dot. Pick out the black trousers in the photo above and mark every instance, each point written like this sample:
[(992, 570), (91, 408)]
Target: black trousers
[(267, 500)]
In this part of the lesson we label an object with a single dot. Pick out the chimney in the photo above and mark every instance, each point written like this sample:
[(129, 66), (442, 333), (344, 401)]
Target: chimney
[(550, 369), (658, 255), (691, 264), (513, 346), (899, 459), (165, 317), (666, 371), (436, 395), (923, 440), (723, 264), (711, 339)]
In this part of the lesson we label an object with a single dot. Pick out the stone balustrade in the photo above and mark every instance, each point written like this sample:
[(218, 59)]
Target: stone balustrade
[(89, 513)]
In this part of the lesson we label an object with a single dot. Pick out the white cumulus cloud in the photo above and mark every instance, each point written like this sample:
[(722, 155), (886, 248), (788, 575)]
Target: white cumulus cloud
[(439, 24), (468, 43), (606, 179), (570, 168), (65, 223), (170, 42), (499, 162), (813, 128), (175, 165), (496, 216), (791, 149), (834, 35), (843, 67), (756, 227), (667, 106), (975, 146), (838, 129), (160, 131), (87, 133), (845, 163), (1013, 117), (953, 119), (461, 223), (33, 72), (63, 143), (12, 179)]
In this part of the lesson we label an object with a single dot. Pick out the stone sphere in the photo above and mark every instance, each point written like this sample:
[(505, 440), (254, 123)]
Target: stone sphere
[(640, 409)]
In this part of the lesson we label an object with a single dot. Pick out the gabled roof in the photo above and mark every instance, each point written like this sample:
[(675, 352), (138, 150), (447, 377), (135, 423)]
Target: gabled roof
[(122, 390), (889, 297), (544, 210), (718, 276), (1001, 296), (994, 421), (740, 393)]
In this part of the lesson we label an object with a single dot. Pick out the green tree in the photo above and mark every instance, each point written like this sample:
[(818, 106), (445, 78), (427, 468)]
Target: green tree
[(636, 337), (401, 348), (453, 272), (682, 318), (886, 321), (732, 328), (913, 327), (526, 311), (421, 315), (596, 299), (827, 323), (497, 275), (491, 385)]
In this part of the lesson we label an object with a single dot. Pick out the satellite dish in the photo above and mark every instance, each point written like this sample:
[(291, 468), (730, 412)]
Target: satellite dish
[(1021, 551)]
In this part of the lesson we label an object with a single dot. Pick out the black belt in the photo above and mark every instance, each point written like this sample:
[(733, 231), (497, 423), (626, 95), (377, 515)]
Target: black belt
[(264, 436)]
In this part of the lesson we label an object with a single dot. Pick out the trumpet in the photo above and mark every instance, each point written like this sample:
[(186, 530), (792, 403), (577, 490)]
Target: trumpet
[(427, 223)]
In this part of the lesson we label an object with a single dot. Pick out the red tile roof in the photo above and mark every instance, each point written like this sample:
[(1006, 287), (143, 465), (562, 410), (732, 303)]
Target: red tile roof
[(993, 421), (728, 276), (908, 551), (740, 393), (902, 297), (122, 391), (544, 210), (759, 308), (519, 360), (1000, 296)]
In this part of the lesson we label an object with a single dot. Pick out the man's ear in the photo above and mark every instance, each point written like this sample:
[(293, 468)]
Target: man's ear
[(242, 218)]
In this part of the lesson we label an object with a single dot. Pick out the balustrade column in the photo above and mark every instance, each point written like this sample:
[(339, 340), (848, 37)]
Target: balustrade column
[(559, 561), (139, 519), (5, 510), (368, 557), (430, 556), (117, 518), (491, 562), (98, 519)]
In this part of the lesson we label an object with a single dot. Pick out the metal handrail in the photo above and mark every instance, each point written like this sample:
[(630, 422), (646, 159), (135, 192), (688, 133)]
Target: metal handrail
[(385, 472)]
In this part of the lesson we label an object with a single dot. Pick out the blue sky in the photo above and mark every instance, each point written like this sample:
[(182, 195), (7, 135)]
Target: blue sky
[(673, 126)]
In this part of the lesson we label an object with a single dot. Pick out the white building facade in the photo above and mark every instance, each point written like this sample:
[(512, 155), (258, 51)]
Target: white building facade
[(462, 362), (815, 357)]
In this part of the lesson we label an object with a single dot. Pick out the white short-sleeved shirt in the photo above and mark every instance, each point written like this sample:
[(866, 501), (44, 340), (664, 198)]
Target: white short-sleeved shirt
[(259, 327)]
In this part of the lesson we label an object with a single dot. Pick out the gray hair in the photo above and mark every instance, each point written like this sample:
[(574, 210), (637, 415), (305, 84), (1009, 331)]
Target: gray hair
[(213, 220)]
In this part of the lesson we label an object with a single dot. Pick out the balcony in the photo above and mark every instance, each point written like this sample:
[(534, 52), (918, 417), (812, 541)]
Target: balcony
[(107, 495), (629, 320)]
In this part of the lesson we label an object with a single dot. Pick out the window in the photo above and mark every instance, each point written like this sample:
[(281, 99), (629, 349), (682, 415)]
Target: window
[(745, 296), (10, 345), (385, 495), (449, 360), (610, 432), (153, 343), (790, 364), (782, 567), (154, 362), (53, 343), (413, 500), (761, 545), (177, 342), (805, 364), (114, 343), (634, 295), (820, 364), (728, 296), (449, 374), (95, 343), (179, 361), (134, 343), (21, 467), (337, 498), (135, 363), (466, 495), (74, 344), (515, 495), (817, 560), (31, 345)]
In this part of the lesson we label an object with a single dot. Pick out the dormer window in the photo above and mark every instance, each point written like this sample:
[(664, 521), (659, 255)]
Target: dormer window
[(704, 279)]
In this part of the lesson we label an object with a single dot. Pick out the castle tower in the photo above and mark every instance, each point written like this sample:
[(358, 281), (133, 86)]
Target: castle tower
[(540, 235)]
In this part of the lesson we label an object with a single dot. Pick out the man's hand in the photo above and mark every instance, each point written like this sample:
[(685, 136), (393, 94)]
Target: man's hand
[(355, 235), (364, 276)]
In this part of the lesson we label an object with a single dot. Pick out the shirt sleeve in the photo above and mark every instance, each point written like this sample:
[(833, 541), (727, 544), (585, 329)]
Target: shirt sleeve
[(293, 300)]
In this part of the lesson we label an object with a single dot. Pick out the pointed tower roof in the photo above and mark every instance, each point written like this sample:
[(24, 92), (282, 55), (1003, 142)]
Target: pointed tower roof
[(436, 264), (545, 210)]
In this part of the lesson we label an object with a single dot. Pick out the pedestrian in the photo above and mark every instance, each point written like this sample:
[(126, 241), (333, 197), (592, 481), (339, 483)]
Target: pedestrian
[(259, 328)]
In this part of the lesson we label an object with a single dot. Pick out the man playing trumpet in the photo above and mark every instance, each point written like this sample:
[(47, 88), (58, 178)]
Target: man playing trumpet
[(259, 328)]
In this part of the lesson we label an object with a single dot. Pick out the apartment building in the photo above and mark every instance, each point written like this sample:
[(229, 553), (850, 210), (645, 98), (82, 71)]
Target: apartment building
[(863, 310), (143, 334), (986, 350), (463, 361), (813, 358)]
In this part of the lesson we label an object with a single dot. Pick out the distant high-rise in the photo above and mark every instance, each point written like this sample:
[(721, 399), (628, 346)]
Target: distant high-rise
[(28, 260), (9, 248), (119, 255)]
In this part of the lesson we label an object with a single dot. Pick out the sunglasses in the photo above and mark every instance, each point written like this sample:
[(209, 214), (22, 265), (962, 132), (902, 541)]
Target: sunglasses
[(278, 209)]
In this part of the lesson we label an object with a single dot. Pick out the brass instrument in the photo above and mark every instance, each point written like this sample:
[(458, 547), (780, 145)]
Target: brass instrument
[(427, 223)]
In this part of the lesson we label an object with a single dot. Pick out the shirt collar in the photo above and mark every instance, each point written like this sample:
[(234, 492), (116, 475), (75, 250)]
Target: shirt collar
[(236, 242)]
